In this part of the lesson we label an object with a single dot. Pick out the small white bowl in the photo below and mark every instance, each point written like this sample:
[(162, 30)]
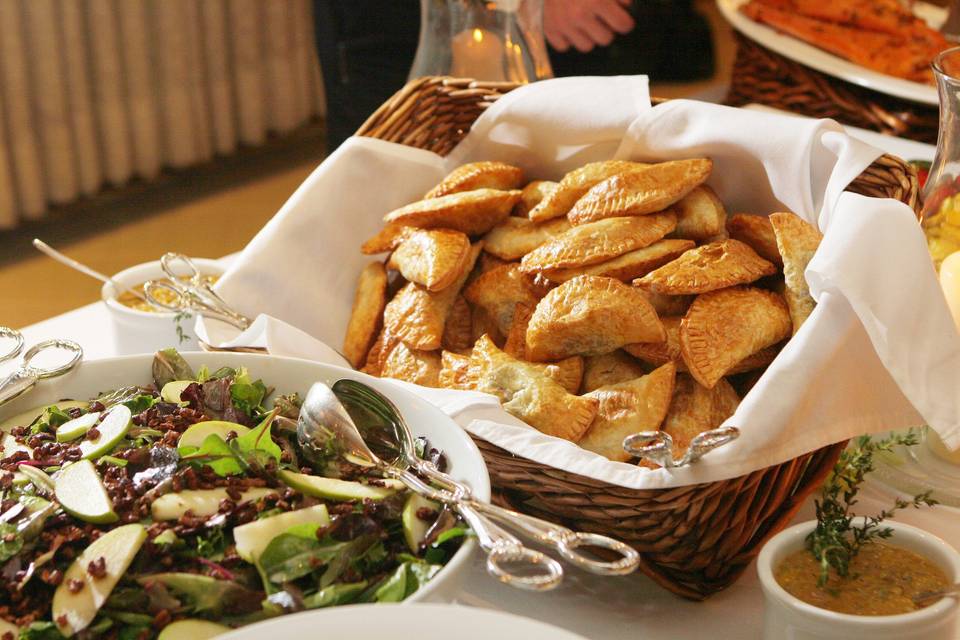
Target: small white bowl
[(144, 331), (786, 616)]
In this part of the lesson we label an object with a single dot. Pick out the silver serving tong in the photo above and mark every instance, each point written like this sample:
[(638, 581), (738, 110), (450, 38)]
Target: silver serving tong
[(191, 292), (27, 375), (658, 445)]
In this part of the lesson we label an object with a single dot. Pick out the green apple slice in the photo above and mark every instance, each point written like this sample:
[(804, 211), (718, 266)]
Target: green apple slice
[(200, 502), (77, 427), (172, 390), (192, 629), (81, 493), (74, 611), (27, 417), (252, 538), (11, 446), (196, 434), (115, 424), (334, 489), (414, 528), (9, 627)]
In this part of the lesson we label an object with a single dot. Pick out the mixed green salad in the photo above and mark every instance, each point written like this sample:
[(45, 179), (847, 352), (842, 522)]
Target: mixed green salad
[(184, 508)]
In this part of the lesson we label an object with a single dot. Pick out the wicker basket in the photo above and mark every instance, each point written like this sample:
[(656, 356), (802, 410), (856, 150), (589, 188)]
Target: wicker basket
[(694, 540), (765, 77)]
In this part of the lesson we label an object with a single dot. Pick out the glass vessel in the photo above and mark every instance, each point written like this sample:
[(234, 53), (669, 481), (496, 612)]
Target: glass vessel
[(941, 193), (495, 40)]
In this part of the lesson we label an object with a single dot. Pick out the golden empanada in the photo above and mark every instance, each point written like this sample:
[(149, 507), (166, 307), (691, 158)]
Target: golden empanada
[(528, 394), (666, 305), (660, 353), (417, 316), (758, 360), (454, 371), (626, 408), (757, 232), (797, 241), (368, 303), (531, 195), (379, 351), (634, 193), (696, 409), (499, 291), (713, 266), (478, 175), (630, 265), (483, 325), (418, 367), (458, 329), (576, 183), (598, 242), (610, 368), (568, 373), (700, 215), (433, 258), (516, 342), (516, 237), (723, 327), (589, 315), (387, 239), (472, 212)]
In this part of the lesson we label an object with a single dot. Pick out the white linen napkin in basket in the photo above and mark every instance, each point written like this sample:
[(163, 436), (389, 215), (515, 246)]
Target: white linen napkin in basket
[(879, 352)]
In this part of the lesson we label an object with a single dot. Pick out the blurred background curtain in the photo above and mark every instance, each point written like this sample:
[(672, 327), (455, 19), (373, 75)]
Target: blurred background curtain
[(94, 93)]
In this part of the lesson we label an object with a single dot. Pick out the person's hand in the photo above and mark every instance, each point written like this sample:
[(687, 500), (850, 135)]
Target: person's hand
[(584, 24)]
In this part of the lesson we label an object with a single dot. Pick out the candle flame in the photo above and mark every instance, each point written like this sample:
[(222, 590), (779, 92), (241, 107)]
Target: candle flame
[(477, 35)]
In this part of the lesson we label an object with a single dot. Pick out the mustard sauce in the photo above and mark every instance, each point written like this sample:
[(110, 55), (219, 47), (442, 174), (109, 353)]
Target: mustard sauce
[(128, 299)]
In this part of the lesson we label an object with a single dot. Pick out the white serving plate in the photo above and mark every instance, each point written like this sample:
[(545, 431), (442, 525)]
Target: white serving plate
[(815, 58), (401, 621), (290, 375)]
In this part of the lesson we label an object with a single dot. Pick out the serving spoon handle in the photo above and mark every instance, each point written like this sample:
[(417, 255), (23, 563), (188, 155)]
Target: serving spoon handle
[(929, 597)]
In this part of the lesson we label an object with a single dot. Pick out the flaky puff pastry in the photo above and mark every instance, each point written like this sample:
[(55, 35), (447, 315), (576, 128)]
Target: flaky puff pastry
[(434, 258), (499, 291), (568, 372), (630, 265), (454, 371), (723, 327), (757, 232), (696, 409), (458, 329), (531, 195), (589, 315), (700, 215), (610, 368), (418, 317), (627, 408), (387, 239), (576, 183), (368, 304), (478, 175), (597, 242), (713, 266), (378, 353), (668, 305), (640, 192), (797, 241), (516, 237), (418, 367), (528, 394), (472, 212)]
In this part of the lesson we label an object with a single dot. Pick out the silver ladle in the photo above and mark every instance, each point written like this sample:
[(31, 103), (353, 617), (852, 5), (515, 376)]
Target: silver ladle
[(397, 440), (325, 428)]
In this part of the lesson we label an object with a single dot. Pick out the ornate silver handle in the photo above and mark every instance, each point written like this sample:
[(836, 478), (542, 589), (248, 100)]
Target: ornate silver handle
[(658, 445)]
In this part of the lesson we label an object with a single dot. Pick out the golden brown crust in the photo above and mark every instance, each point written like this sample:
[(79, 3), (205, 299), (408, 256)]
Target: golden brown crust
[(379, 351), (642, 191), (757, 232), (418, 367), (454, 371), (610, 368), (368, 304), (627, 408), (660, 353), (724, 327), (531, 195), (576, 183), (432, 258), (483, 325), (458, 330), (478, 175), (589, 315), (630, 265), (516, 237), (516, 342), (526, 393), (472, 212), (499, 291), (598, 242), (666, 305), (696, 409), (387, 239), (700, 215), (797, 241), (713, 266)]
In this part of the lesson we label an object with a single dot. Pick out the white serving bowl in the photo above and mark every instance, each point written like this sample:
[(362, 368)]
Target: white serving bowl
[(786, 616), (290, 375), (140, 331)]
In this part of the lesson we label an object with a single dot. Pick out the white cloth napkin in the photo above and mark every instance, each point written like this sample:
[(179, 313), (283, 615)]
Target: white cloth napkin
[(878, 353)]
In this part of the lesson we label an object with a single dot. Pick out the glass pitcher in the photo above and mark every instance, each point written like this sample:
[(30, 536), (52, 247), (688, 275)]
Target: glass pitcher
[(492, 40)]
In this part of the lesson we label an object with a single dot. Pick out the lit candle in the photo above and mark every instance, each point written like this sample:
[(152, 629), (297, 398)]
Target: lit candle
[(477, 53)]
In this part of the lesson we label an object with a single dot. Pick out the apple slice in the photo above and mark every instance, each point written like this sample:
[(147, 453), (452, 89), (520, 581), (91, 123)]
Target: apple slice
[(334, 489), (414, 528), (77, 427), (200, 502), (74, 611), (197, 433), (115, 424), (172, 390), (11, 446), (9, 627), (81, 493), (192, 629), (27, 417), (252, 538)]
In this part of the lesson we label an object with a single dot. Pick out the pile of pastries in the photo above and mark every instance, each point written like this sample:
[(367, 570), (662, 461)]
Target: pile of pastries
[(620, 299)]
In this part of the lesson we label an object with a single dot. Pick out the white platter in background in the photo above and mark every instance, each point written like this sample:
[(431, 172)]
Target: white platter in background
[(815, 58)]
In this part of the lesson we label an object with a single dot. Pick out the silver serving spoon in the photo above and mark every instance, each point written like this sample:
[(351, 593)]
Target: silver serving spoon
[(395, 441), (325, 428), (44, 248), (930, 597)]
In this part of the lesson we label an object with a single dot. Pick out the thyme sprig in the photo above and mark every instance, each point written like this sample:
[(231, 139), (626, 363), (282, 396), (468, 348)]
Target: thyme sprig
[(836, 540)]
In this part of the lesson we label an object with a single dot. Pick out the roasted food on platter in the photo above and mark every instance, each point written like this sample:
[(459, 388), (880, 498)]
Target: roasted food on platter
[(620, 299), (882, 35)]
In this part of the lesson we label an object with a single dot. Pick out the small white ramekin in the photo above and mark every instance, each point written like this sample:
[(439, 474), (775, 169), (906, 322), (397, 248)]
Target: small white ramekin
[(144, 331), (786, 616)]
